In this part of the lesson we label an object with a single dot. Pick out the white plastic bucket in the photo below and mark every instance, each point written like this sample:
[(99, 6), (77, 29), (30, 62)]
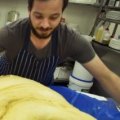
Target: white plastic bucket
[(81, 73), (80, 79), (79, 85)]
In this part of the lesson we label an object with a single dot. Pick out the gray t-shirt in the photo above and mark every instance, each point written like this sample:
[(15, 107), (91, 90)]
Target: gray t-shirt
[(70, 43)]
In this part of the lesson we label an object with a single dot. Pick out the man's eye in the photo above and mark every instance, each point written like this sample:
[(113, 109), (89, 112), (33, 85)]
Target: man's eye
[(39, 17), (53, 17)]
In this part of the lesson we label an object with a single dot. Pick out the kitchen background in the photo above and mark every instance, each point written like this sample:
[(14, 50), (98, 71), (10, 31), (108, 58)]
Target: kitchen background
[(80, 17)]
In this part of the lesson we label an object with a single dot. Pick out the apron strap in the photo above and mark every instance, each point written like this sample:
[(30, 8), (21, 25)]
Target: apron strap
[(26, 37), (55, 43)]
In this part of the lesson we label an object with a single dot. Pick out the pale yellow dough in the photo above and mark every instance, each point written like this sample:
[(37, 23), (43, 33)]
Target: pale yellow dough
[(25, 99)]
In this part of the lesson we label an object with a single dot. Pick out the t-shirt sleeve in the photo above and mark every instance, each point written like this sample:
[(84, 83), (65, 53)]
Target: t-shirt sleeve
[(8, 42), (3, 38), (77, 47)]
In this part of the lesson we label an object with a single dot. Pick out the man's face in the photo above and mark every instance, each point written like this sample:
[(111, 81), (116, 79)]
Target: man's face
[(45, 16)]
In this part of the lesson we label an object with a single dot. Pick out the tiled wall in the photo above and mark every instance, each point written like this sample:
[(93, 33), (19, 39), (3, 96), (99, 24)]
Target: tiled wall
[(83, 16)]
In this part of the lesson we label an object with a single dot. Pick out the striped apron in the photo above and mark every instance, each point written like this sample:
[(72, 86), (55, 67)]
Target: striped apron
[(28, 65)]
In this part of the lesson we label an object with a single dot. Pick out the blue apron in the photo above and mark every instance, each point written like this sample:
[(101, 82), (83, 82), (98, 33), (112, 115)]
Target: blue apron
[(28, 65)]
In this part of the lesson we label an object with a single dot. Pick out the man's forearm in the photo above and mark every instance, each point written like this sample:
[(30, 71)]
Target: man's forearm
[(108, 80), (111, 84)]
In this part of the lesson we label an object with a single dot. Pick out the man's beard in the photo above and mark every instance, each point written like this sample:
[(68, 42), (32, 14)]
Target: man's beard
[(42, 35)]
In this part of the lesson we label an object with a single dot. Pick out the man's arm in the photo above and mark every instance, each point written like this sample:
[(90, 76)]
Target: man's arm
[(108, 80)]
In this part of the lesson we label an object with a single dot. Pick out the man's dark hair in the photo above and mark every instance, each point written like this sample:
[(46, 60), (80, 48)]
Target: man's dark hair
[(30, 4)]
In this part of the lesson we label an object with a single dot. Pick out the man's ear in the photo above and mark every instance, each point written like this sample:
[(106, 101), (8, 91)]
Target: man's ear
[(28, 11), (62, 20)]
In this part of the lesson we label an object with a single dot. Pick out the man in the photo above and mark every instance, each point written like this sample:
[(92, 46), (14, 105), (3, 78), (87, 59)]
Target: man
[(35, 45)]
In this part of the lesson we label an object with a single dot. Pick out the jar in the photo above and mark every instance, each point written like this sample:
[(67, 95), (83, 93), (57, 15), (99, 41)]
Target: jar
[(12, 16)]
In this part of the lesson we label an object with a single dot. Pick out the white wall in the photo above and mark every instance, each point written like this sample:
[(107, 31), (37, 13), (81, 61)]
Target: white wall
[(82, 15)]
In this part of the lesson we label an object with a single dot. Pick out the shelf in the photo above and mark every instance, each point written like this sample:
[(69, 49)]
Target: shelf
[(86, 4), (110, 20), (112, 8), (105, 48)]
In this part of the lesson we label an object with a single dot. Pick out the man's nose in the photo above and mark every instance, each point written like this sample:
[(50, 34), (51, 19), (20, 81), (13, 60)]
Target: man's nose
[(45, 23)]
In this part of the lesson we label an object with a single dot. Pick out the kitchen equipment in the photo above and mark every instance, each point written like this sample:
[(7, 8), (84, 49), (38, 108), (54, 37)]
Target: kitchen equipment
[(12, 16), (99, 34), (113, 15), (111, 2), (114, 43), (83, 1)]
